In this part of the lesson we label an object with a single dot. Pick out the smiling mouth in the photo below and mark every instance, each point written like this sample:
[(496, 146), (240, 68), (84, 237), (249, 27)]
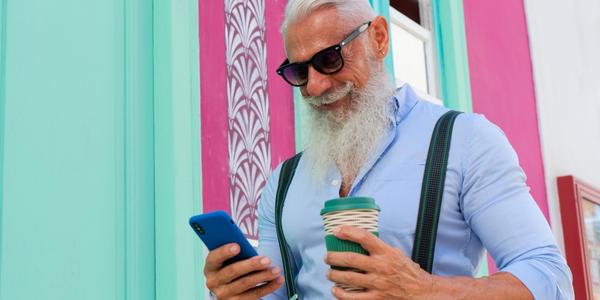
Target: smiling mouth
[(329, 100), (323, 101), (330, 106), (334, 104)]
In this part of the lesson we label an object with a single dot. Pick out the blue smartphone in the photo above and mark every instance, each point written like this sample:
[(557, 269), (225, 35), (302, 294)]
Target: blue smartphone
[(216, 229)]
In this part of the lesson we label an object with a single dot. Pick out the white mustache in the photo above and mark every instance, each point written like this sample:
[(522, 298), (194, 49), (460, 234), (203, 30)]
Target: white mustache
[(332, 96), (343, 140)]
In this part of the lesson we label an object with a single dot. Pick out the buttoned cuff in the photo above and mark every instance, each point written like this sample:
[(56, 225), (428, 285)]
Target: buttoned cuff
[(542, 283)]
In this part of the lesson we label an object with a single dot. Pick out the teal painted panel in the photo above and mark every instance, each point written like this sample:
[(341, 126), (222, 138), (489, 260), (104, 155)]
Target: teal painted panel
[(451, 48), (76, 136), (139, 150), (300, 115), (63, 196), (198, 281), (2, 89), (177, 133)]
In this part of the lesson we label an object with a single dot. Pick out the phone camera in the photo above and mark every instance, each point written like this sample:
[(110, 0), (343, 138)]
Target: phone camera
[(199, 229)]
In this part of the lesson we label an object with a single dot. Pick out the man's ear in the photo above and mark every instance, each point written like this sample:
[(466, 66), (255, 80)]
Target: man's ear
[(379, 36)]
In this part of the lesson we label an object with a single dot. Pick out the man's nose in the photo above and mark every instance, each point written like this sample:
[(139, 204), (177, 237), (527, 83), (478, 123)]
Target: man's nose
[(317, 83)]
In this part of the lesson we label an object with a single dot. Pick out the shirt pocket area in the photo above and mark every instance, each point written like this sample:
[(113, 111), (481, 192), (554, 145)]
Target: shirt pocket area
[(394, 172)]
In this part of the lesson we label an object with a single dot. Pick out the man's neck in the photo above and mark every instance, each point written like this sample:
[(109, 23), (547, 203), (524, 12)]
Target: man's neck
[(346, 186), (345, 189)]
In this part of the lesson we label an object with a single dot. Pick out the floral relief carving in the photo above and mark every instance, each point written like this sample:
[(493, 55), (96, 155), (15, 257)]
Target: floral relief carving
[(248, 139)]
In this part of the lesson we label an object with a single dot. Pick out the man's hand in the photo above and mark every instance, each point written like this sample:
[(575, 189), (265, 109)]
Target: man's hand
[(389, 273), (240, 280)]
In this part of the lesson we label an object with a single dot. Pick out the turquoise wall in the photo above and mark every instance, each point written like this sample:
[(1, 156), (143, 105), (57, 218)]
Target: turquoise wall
[(451, 50), (177, 169), (99, 166)]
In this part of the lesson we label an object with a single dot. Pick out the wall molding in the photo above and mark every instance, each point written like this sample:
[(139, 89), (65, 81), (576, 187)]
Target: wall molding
[(177, 149), (3, 22), (138, 151), (451, 48)]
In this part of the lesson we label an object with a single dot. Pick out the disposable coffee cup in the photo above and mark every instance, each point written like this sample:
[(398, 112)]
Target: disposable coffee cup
[(360, 212)]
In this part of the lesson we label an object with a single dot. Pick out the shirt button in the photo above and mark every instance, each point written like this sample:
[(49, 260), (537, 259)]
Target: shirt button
[(335, 182)]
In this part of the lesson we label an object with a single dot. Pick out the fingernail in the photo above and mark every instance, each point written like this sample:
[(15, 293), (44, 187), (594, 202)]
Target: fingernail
[(335, 230), (275, 270), (233, 248), (265, 261), (280, 279)]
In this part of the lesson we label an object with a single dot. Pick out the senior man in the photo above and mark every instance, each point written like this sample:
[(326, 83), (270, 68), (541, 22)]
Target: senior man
[(368, 139)]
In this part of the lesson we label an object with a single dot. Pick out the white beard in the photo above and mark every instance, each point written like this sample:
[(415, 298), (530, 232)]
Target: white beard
[(346, 136)]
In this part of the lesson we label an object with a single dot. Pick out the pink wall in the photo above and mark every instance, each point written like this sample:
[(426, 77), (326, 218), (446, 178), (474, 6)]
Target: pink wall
[(502, 81), (247, 113), (213, 105), (281, 97)]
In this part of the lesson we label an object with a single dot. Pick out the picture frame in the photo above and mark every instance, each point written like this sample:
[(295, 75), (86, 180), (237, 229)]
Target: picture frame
[(580, 214)]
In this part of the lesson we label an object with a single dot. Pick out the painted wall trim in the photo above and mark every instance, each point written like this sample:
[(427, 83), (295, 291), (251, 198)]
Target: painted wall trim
[(2, 95), (300, 117), (451, 48), (177, 165), (138, 160)]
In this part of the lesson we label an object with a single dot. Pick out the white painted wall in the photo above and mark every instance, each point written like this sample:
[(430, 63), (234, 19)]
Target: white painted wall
[(564, 37)]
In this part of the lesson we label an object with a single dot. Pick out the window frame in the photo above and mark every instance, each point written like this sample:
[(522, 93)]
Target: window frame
[(571, 194), (426, 36)]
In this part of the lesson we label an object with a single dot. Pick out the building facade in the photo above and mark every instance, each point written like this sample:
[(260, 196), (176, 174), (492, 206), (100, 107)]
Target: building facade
[(121, 119)]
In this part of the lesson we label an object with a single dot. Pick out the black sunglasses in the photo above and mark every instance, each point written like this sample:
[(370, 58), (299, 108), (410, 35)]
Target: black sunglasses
[(327, 61)]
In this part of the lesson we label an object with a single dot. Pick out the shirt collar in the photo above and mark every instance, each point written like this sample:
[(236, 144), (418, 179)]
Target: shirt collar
[(403, 101)]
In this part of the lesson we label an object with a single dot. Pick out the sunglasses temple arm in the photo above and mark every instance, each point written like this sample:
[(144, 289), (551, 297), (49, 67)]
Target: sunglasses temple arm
[(355, 33)]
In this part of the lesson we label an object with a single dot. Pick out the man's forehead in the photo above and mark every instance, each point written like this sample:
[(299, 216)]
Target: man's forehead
[(321, 29)]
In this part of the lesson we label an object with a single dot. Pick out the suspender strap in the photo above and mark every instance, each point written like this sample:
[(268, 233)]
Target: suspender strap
[(285, 179), (432, 190), (429, 209)]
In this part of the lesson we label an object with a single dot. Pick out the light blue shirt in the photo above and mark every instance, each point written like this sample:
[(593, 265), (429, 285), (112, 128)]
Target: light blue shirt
[(486, 204)]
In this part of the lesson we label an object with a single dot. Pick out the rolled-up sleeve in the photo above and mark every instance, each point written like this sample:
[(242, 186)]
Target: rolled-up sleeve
[(268, 244), (499, 209)]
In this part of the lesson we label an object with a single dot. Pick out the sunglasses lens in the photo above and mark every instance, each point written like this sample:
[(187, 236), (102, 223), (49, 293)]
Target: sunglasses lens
[(296, 74), (328, 61)]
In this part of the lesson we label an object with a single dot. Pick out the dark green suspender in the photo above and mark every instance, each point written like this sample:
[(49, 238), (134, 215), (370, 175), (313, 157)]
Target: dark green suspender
[(285, 179), (432, 190)]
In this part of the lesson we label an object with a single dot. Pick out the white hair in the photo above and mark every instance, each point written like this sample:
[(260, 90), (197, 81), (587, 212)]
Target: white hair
[(347, 136), (353, 11)]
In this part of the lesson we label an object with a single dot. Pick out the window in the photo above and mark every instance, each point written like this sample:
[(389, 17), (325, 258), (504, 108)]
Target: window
[(413, 47)]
